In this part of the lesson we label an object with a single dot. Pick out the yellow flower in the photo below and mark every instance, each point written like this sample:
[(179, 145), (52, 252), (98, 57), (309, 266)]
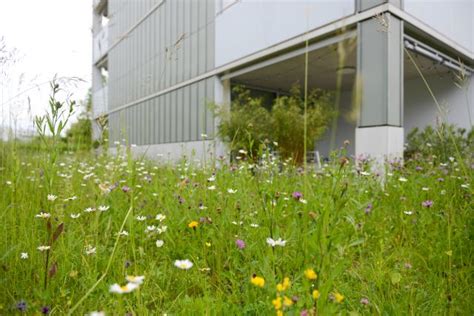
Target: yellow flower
[(257, 281), (310, 274), (284, 286), (316, 294), (277, 303), (279, 313), (287, 301), (338, 297), (193, 224)]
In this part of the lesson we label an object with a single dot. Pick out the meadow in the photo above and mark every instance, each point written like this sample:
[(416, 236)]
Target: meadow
[(94, 233)]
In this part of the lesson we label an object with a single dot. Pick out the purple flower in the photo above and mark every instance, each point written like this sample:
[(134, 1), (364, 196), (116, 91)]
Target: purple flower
[(304, 312), (125, 188), (368, 208), (297, 195), (21, 306), (440, 180), (418, 168), (45, 310), (427, 203), (364, 301), (240, 243)]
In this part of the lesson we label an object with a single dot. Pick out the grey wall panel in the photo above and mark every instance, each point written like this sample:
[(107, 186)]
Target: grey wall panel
[(186, 114), (208, 100), (194, 112), (179, 115)]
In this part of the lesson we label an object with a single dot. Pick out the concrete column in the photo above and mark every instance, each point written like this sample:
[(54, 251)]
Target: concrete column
[(222, 98), (379, 133)]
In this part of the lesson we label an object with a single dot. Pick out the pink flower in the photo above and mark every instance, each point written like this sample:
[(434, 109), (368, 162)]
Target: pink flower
[(427, 203), (240, 243)]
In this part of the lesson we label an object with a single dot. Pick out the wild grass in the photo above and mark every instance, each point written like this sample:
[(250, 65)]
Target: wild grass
[(383, 247)]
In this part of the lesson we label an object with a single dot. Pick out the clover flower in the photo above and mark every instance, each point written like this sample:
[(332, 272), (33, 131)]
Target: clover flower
[(240, 243)]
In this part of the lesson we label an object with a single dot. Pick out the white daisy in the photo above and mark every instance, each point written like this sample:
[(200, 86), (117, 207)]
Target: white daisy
[(135, 279), (52, 197), (43, 215), (43, 248), (89, 210), (160, 217), (150, 229), (141, 218), (123, 233), (183, 264), (160, 243), (211, 188), (90, 250), (279, 242), (74, 216), (103, 208), (24, 255), (231, 191), (408, 212), (402, 179), (161, 229), (115, 288)]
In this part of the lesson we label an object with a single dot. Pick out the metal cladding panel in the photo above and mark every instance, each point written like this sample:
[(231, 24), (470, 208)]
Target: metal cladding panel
[(173, 44), (380, 64)]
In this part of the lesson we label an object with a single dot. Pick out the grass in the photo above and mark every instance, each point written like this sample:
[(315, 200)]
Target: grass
[(373, 243)]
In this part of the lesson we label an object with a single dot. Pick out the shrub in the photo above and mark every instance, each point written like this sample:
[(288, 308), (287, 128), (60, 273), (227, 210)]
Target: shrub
[(441, 142), (249, 124)]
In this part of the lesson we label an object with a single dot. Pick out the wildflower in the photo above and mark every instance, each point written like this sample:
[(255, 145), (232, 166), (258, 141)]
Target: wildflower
[(408, 265), (368, 208), (24, 255), (364, 301), (287, 301), (45, 310), (161, 229), (160, 217), (123, 233), (231, 191), (408, 212), (129, 287), (150, 229), (43, 215), (90, 250), (310, 274), (427, 203), (89, 210), (425, 189), (338, 297), (279, 242), (297, 195), (284, 285), (193, 224), (8, 183), (159, 243), (304, 312), (43, 248), (140, 218), (135, 279), (257, 281), (52, 197), (316, 294), (212, 187), (208, 244), (277, 303), (95, 313), (125, 189), (74, 216), (364, 173), (279, 313), (183, 264), (254, 225), (21, 306), (211, 179), (402, 179), (240, 243), (103, 208)]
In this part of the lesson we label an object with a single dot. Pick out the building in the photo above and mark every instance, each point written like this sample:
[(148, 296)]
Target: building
[(157, 64)]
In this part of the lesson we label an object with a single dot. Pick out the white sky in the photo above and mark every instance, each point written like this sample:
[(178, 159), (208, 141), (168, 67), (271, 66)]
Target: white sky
[(53, 37)]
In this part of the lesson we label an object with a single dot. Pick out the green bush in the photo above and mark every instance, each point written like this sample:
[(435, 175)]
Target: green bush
[(248, 123), (440, 142)]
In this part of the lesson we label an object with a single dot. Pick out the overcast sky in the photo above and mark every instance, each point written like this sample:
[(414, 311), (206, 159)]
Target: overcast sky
[(52, 37)]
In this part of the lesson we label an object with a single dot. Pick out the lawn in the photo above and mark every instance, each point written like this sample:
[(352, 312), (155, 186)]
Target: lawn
[(233, 238)]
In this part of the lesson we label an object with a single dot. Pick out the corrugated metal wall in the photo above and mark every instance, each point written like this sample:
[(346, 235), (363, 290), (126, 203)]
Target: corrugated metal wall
[(174, 44)]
